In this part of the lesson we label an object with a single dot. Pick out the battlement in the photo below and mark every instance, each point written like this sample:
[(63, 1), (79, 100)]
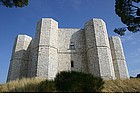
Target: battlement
[(56, 49)]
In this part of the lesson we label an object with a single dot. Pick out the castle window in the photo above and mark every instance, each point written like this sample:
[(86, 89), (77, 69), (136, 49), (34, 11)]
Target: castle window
[(72, 64), (72, 46)]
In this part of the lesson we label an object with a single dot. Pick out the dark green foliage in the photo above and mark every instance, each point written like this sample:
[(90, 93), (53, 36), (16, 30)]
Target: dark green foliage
[(46, 86), (120, 31), (129, 14), (138, 76), (14, 3), (77, 82)]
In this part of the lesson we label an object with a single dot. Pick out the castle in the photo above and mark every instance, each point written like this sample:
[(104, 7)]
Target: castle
[(54, 49)]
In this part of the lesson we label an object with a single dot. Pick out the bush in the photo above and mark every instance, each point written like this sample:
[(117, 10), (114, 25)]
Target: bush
[(138, 76), (46, 86), (77, 82)]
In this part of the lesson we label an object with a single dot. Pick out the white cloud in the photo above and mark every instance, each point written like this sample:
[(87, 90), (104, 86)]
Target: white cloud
[(138, 52), (131, 38), (134, 72), (37, 8), (135, 54), (128, 36), (76, 4)]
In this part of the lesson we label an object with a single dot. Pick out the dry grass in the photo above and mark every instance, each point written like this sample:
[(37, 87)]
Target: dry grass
[(110, 86), (122, 86), (22, 85)]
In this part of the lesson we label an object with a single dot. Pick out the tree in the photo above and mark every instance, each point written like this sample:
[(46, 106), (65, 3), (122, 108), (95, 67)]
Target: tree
[(138, 76), (129, 12), (14, 3)]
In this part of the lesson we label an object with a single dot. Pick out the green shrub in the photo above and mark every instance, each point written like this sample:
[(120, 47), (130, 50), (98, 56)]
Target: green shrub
[(77, 82), (46, 86)]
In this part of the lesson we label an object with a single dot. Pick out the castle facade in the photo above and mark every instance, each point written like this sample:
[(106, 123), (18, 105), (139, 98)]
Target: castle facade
[(54, 49)]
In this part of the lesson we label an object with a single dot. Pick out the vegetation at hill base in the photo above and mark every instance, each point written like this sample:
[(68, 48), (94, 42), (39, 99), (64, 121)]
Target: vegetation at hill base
[(73, 82), (21, 85), (131, 85)]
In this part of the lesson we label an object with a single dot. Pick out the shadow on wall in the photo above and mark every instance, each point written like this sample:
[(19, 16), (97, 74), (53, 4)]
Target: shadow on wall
[(18, 65), (78, 58)]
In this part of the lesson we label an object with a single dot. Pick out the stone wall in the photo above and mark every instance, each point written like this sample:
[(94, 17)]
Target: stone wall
[(98, 50), (71, 49), (63, 49), (32, 59), (46, 41), (19, 60), (118, 57)]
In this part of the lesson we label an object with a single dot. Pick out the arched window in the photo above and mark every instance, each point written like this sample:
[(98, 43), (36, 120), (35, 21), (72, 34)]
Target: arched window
[(72, 46)]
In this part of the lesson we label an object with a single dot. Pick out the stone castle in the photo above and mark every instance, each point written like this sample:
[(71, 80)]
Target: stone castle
[(56, 49)]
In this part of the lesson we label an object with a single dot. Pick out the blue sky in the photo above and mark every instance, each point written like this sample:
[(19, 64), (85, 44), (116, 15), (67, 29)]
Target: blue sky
[(69, 13)]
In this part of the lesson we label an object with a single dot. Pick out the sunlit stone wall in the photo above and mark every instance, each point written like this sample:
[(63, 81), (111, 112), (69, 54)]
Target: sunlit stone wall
[(98, 49), (64, 49), (118, 58)]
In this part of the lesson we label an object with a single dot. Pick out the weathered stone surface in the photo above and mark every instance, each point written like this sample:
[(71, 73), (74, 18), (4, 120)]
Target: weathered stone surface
[(71, 47), (98, 50), (19, 60), (118, 58), (47, 62), (63, 49)]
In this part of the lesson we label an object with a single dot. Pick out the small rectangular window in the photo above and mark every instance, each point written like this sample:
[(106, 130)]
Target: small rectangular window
[(72, 64), (72, 46)]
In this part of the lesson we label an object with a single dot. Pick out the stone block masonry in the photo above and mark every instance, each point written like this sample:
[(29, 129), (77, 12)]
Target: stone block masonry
[(47, 60), (118, 57), (98, 49), (65, 49), (19, 60)]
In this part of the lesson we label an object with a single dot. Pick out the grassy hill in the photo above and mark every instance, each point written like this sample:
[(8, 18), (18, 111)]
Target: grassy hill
[(32, 85), (22, 85), (122, 86)]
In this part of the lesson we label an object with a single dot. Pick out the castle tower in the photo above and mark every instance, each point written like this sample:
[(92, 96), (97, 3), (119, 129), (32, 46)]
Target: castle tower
[(19, 60), (118, 58), (98, 49), (32, 57), (46, 41), (56, 49)]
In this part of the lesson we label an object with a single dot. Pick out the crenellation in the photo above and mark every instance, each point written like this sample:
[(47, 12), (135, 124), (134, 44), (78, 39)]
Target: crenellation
[(56, 49)]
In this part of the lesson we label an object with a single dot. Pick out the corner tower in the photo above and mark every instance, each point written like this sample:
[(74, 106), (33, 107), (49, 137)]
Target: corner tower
[(98, 49), (46, 41), (118, 58), (19, 60)]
